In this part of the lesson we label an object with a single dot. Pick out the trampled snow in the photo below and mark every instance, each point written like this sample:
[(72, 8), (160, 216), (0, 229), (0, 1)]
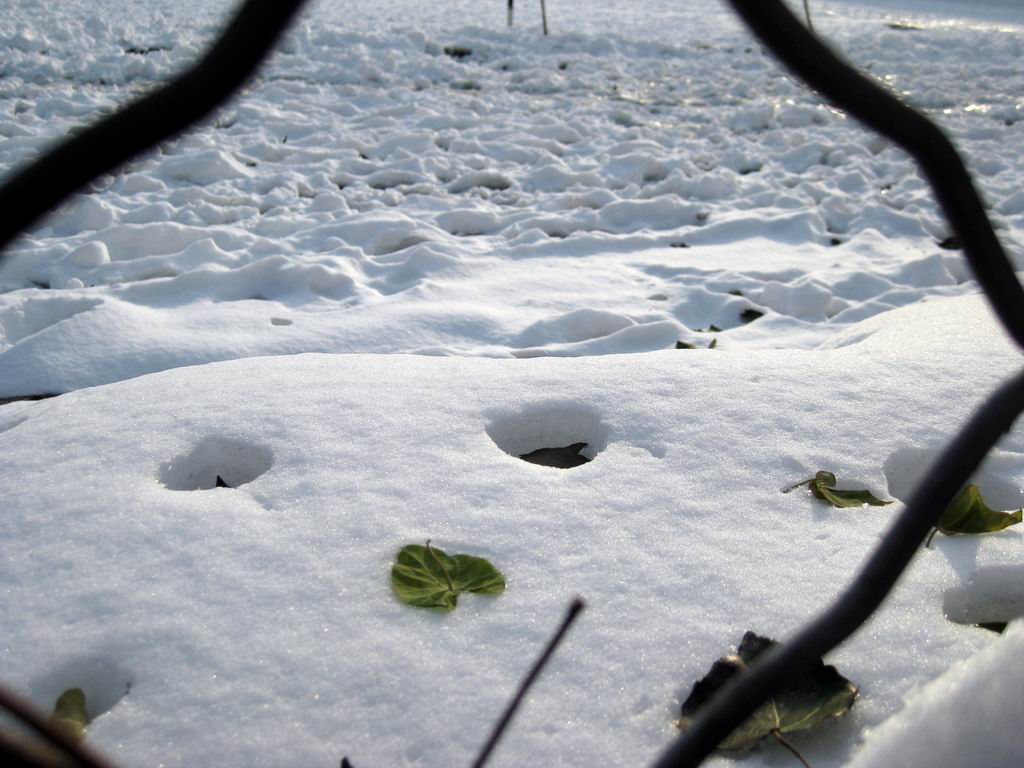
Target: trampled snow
[(533, 225), (367, 178)]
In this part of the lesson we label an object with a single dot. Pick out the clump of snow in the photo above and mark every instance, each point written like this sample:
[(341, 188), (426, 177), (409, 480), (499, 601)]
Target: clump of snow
[(969, 716)]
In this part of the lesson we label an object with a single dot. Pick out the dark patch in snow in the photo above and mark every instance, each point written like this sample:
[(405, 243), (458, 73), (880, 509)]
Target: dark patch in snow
[(566, 457), (530, 434), (993, 595), (458, 52), (231, 461)]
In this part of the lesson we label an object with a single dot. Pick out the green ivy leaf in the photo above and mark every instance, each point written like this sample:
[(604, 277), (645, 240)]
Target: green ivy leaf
[(970, 514), (428, 577), (70, 713), (806, 701), (823, 486)]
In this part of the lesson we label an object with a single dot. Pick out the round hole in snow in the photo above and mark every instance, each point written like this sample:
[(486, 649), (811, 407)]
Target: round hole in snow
[(992, 595), (216, 462), (998, 477), (552, 434)]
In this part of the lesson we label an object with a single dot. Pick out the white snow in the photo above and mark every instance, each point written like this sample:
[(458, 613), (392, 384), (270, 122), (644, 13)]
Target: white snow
[(343, 294), (936, 728)]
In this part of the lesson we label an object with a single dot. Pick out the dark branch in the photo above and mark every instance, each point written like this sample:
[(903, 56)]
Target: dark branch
[(811, 60), (103, 147), (841, 85), (786, 661), (79, 755), (575, 607)]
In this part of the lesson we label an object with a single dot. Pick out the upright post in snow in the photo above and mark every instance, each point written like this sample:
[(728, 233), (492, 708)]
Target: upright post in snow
[(544, 17), (807, 13), (510, 12)]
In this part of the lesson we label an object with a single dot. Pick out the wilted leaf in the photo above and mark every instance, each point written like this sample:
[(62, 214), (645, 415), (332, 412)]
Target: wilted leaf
[(970, 514), (70, 714), (808, 700), (823, 486), (429, 578), (458, 52), (561, 458)]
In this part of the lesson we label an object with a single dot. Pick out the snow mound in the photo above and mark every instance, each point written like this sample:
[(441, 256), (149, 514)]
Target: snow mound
[(259, 616), (970, 716)]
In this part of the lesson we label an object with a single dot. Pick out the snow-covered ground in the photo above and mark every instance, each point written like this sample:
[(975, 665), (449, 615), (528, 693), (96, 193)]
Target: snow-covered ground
[(370, 193), (408, 177)]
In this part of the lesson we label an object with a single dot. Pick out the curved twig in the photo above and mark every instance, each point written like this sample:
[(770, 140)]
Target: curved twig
[(819, 67), (811, 60), (66, 168), (770, 673)]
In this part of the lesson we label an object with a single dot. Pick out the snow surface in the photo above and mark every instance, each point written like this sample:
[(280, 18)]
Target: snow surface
[(922, 733), (526, 221), (369, 193)]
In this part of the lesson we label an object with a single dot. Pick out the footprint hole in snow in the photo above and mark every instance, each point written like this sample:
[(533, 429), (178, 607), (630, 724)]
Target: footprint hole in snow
[(102, 679), (555, 434), (216, 462), (996, 477), (991, 597)]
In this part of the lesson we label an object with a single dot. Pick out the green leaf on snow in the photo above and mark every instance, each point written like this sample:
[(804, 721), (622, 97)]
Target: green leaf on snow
[(970, 514), (806, 701), (823, 486), (427, 577), (70, 713)]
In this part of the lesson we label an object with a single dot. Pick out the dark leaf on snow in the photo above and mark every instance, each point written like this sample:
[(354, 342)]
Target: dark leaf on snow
[(820, 694), (970, 514), (561, 458)]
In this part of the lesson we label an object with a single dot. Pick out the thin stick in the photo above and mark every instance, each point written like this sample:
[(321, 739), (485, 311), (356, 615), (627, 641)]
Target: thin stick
[(807, 13), (79, 754), (928, 543), (544, 17), (510, 12), (790, 747), (14, 755), (575, 607)]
